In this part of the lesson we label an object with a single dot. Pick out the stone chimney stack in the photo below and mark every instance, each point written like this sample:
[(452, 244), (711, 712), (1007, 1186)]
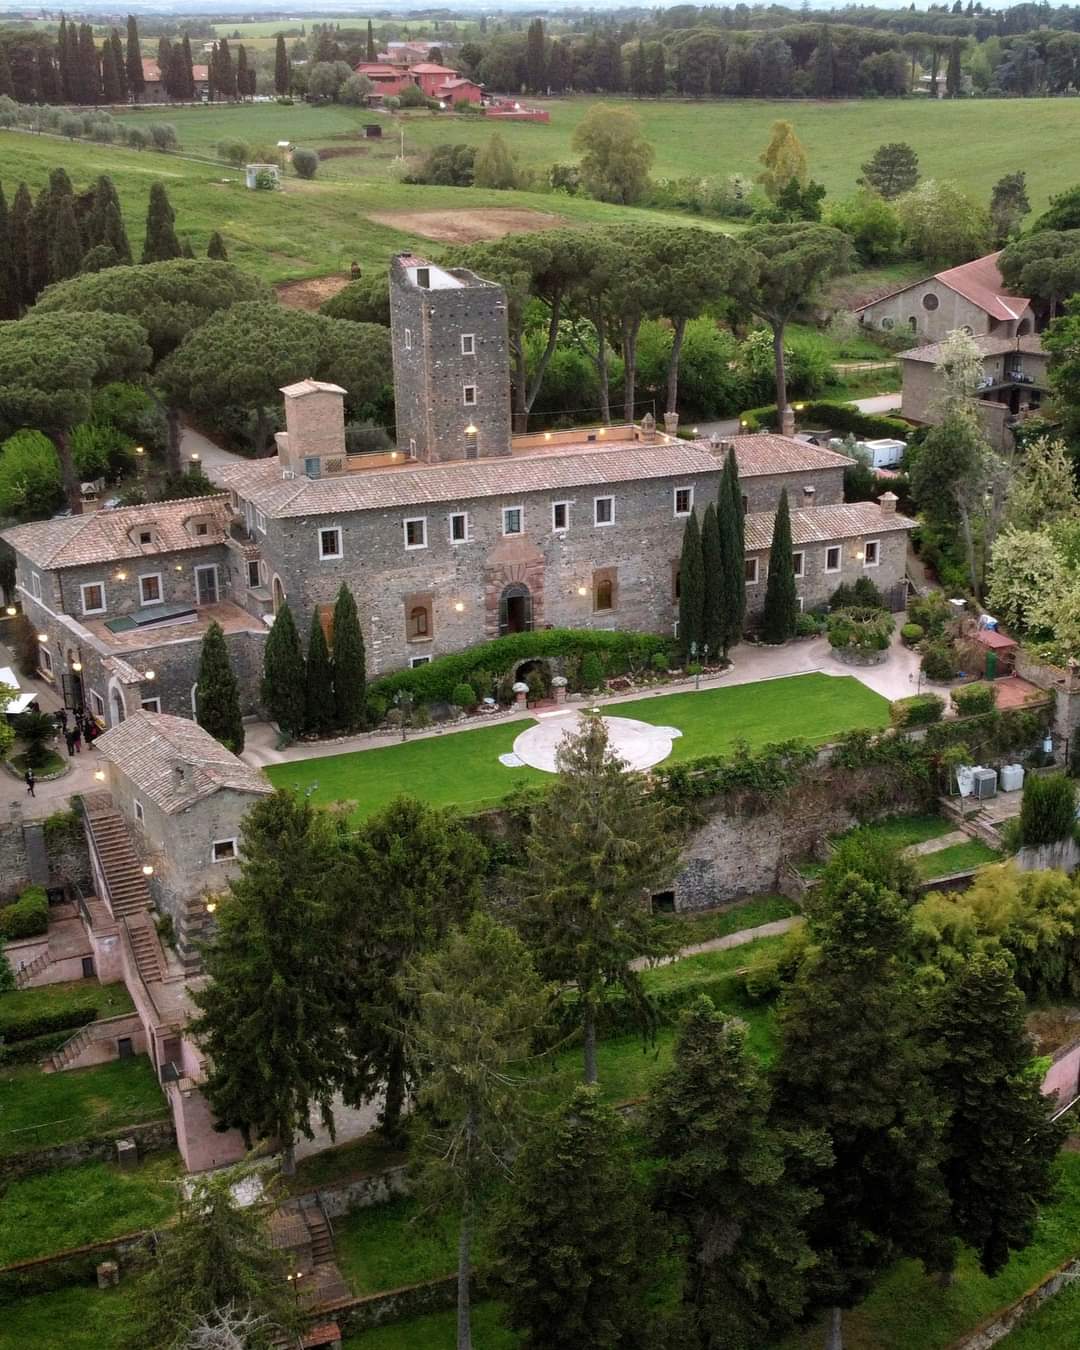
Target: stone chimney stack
[(809, 492), (181, 771), (648, 428), (314, 427), (887, 501)]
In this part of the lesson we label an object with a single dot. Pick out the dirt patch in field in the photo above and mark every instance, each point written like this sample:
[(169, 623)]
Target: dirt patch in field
[(342, 151), (312, 293), (469, 227)]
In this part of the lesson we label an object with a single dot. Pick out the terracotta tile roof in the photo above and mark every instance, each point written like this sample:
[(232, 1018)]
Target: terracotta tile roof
[(457, 83), (105, 536), (989, 345), (428, 68), (582, 465), (147, 747), (152, 71), (824, 524), (980, 282)]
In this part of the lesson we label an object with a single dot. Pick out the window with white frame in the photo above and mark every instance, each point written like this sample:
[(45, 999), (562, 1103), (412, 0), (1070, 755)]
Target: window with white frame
[(871, 553), (223, 850), (408, 339), (684, 501), (750, 571), (35, 585), (468, 344), (330, 543), (513, 519), (416, 532), (603, 510), (151, 705), (468, 395), (412, 446), (419, 661), (97, 703), (798, 563), (93, 597), (45, 664), (459, 527), (140, 814), (150, 589), (260, 521), (833, 558), (560, 515)]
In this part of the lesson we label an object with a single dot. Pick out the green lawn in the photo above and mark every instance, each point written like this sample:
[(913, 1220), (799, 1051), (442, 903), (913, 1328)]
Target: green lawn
[(104, 1000), (462, 768), (75, 1104), (437, 1331), (683, 930), (72, 1206), (79, 1318), (899, 831), (388, 1246), (1053, 1327), (955, 858)]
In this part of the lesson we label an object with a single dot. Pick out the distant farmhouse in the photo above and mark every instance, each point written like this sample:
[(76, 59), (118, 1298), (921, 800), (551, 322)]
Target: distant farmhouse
[(463, 533), (155, 91)]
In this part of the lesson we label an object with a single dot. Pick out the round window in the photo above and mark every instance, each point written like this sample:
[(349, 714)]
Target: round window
[(929, 301)]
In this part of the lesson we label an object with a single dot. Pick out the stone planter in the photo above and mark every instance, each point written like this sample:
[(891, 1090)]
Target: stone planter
[(65, 768), (856, 656)]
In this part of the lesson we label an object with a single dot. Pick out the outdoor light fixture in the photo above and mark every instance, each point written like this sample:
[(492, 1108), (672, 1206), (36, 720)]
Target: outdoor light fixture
[(139, 450), (43, 637), (602, 432), (547, 435), (150, 674), (10, 611), (121, 576), (459, 606), (470, 430), (582, 590), (99, 774), (693, 431), (859, 555), (211, 905), (393, 454), (147, 870), (76, 666), (195, 457)]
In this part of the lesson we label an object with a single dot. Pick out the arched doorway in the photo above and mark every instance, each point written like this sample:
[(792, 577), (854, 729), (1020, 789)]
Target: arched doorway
[(515, 610), (278, 593), (119, 712)]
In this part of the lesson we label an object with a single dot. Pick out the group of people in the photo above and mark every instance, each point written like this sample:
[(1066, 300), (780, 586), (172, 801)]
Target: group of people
[(82, 728)]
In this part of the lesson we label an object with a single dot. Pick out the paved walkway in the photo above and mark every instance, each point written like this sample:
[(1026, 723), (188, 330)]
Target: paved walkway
[(213, 456), (720, 944)]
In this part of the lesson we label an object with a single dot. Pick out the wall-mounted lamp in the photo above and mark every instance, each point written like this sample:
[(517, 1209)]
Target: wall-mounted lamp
[(10, 611), (147, 870), (459, 606), (43, 637), (583, 590), (195, 457), (76, 666), (121, 576), (547, 435), (602, 431), (693, 431), (99, 774), (470, 430), (859, 555), (393, 454), (179, 567), (140, 450), (150, 675)]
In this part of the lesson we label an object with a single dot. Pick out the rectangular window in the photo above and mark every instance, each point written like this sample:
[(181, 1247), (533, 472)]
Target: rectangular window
[(603, 510), (139, 813), (416, 532), (254, 573), (260, 521), (97, 703), (151, 705), (408, 339), (833, 558), (513, 519), (418, 661), (201, 527), (35, 585), (468, 394), (468, 344), (750, 571), (560, 515), (150, 589), (684, 501), (797, 563), (93, 597), (330, 543), (146, 536), (45, 661), (412, 446), (871, 553), (223, 850), (459, 527)]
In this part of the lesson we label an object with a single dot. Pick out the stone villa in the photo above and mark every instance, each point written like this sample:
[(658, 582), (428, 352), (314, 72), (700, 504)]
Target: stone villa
[(972, 297), (463, 533)]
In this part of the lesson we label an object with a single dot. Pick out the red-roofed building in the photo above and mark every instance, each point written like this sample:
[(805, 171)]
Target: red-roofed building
[(431, 77), (155, 87), (386, 80), (971, 296), (460, 90)]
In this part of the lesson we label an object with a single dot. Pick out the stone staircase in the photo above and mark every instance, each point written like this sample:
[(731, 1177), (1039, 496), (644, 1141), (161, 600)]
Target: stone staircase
[(146, 948), (322, 1239), (129, 893), (70, 1050), (26, 973)]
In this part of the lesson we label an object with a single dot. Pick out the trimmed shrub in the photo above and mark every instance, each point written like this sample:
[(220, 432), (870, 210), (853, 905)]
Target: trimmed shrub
[(31, 1050), (911, 633), (916, 711), (931, 612), (972, 699), (592, 671), (660, 662), (809, 625), (866, 630), (861, 594), (305, 162), (537, 688), (1048, 811), (939, 662), (27, 917), (464, 696), (837, 416), (26, 1027)]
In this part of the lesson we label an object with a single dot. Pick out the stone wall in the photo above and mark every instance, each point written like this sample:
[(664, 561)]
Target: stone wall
[(996, 1327), (1062, 1079), (377, 1188), (59, 1270), (14, 868), (396, 1305), (1064, 856), (153, 1136)]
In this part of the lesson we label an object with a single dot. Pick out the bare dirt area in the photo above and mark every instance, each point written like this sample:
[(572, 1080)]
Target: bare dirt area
[(312, 293), (469, 227)]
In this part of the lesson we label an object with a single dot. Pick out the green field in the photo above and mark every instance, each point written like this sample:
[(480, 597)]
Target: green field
[(39, 1109), (462, 768), (955, 858), (1053, 1327)]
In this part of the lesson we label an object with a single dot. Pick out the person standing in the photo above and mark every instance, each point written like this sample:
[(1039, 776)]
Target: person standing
[(76, 738), (30, 780), (69, 737)]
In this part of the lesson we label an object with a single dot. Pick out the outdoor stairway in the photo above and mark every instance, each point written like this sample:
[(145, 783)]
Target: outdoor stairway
[(128, 890), (26, 973), (146, 948), (70, 1050), (322, 1240)]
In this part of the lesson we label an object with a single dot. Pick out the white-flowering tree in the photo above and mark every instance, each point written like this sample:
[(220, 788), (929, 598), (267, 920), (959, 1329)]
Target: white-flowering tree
[(1027, 577), (1044, 488)]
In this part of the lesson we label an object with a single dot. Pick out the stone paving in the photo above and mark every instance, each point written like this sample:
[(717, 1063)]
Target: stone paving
[(639, 744)]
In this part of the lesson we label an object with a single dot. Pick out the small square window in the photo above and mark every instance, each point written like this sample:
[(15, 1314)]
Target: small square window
[(871, 553), (146, 537), (150, 589), (468, 344), (750, 571), (832, 558), (459, 527), (139, 813), (330, 543), (604, 510), (223, 850), (513, 519), (151, 705), (201, 527), (416, 532), (797, 563), (93, 598), (408, 339), (560, 515), (468, 394), (419, 661), (684, 501)]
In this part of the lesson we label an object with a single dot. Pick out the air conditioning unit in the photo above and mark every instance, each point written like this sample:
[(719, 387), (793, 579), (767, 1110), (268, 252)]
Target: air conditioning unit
[(984, 784)]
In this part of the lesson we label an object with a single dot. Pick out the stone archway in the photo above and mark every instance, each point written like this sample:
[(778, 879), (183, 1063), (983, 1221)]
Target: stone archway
[(513, 588), (278, 593), (117, 706), (515, 609)]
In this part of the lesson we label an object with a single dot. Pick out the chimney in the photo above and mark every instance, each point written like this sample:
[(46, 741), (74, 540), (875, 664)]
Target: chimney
[(314, 426), (180, 772), (887, 501), (647, 432), (787, 421), (808, 494)]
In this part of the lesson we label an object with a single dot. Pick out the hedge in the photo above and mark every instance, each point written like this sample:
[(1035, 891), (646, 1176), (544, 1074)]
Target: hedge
[(972, 699), (916, 710), (16, 1028), (27, 917), (837, 416), (33, 1049), (481, 665)]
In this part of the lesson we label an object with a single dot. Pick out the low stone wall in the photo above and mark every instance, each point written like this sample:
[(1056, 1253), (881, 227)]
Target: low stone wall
[(78, 1265), (1063, 1076), (1064, 856), (996, 1327), (376, 1188), (397, 1305), (14, 867), (152, 1136)]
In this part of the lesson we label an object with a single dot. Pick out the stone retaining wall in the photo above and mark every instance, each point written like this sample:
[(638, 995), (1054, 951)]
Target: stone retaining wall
[(60, 1269), (152, 1136), (996, 1327), (376, 1188)]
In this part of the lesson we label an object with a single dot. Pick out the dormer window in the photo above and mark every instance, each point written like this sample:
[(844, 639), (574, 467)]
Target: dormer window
[(146, 537)]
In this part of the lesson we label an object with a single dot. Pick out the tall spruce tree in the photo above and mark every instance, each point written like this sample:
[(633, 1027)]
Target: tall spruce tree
[(691, 587), (217, 694), (320, 720), (216, 248), (714, 622), (283, 683), (1000, 1144), (823, 67), (730, 520), (161, 242), (574, 1237), (136, 81), (350, 677), (10, 297), (727, 1178), (597, 841), (781, 597), (63, 243), (266, 1018), (281, 63)]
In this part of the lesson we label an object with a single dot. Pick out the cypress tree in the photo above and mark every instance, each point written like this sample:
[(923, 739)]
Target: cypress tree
[(64, 74), (691, 587), (110, 78), (350, 679), (370, 41), (225, 75), (187, 70), (823, 67), (713, 621), (241, 71), (781, 600), (161, 241), (65, 248), (133, 60), (37, 271), (730, 519), (22, 210), (186, 251), (165, 66), (89, 70), (217, 697), (216, 248), (7, 87), (320, 681), (281, 65), (283, 681), (48, 81), (71, 60), (105, 224), (117, 44), (10, 298)]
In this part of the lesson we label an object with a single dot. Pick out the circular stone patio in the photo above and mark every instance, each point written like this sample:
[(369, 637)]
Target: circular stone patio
[(640, 744)]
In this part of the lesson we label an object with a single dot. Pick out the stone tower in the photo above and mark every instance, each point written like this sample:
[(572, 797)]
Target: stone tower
[(451, 362)]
